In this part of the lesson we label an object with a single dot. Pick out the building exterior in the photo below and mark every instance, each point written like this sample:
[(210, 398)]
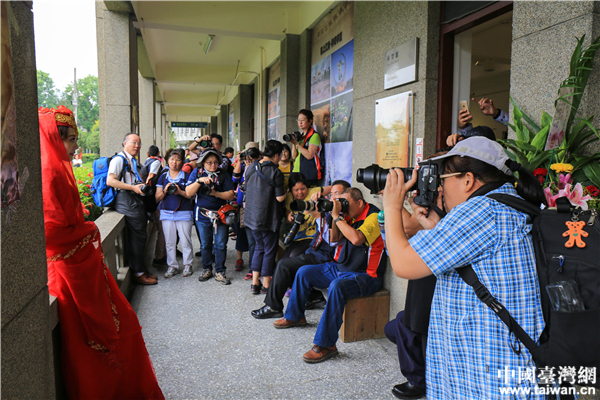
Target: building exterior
[(247, 70)]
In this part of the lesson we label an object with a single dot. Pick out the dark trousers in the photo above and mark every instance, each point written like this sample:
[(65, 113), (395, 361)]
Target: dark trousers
[(296, 248), (284, 278), (411, 350), (265, 251), (132, 206)]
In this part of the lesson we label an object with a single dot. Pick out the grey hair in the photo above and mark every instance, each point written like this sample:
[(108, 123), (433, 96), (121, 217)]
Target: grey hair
[(127, 135)]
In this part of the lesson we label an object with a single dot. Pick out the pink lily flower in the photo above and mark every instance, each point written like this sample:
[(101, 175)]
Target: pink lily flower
[(550, 198), (575, 196), (563, 180)]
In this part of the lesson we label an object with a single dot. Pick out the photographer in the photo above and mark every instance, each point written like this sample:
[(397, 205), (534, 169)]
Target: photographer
[(129, 202), (215, 141), (263, 211), (306, 155), (308, 229), (357, 270), (176, 213), (245, 240), (495, 240), (213, 188), (318, 252)]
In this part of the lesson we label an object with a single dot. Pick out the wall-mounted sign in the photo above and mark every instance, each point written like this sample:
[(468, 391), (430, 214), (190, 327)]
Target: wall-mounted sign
[(189, 124), (401, 64)]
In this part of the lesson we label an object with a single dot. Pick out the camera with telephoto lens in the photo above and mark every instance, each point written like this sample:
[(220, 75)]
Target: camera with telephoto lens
[(172, 188), (289, 238), (321, 205), (428, 180), (288, 137)]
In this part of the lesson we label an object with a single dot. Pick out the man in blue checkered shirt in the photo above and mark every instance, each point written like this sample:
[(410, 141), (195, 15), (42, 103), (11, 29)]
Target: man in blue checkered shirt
[(469, 354)]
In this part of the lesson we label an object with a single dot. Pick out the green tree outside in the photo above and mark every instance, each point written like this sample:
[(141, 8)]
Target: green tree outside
[(87, 101), (48, 95), (172, 142)]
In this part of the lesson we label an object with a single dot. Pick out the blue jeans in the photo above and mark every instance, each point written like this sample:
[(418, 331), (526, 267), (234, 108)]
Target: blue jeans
[(343, 286), (265, 252), (207, 231)]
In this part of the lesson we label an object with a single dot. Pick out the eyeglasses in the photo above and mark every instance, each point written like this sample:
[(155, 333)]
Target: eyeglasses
[(444, 176), (212, 163), (136, 143)]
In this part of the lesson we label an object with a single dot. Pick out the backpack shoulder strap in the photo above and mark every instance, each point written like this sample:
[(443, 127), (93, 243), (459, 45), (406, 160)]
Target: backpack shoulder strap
[(470, 277), (517, 203)]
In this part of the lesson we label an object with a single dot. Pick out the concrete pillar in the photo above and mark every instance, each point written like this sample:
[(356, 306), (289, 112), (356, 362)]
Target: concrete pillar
[(117, 77), (379, 27), (223, 128), (304, 69), (158, 128), (213, 125), (146, 101), (540, 29), (27, 369), (288, 95), (243, 114), (165, 131)]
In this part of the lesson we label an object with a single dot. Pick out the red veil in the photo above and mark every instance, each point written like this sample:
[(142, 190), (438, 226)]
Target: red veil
[(103, 351)]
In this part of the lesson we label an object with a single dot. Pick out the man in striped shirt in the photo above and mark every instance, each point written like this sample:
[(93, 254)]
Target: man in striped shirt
[(357, 270)]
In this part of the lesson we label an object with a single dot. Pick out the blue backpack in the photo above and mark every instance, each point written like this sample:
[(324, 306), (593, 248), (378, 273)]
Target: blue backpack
[(104, 195)]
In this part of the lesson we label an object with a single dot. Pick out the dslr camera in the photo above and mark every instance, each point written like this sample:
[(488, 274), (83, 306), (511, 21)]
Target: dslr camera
[(428, 180), (203, 143), (243, 155), (146, 189), (289, 238), (321, 205), (288, 137), (206, 189), (172, 189)]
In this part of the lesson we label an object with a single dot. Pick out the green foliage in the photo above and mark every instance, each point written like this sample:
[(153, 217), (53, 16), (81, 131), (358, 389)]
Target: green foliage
[(172, 142), (87, 101), (48, 95), (83, 178), (528, 148), (89, 157)]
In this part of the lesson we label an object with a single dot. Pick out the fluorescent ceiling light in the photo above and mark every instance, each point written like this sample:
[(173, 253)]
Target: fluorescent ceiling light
[(207, 43)]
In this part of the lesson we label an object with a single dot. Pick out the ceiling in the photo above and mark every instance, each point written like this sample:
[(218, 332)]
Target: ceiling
[(247, 35)]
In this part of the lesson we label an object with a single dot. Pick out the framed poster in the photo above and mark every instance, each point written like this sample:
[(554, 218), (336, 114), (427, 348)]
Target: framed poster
[(393, 122)]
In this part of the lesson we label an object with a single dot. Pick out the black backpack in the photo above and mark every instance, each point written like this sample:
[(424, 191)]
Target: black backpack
[(569, 339)]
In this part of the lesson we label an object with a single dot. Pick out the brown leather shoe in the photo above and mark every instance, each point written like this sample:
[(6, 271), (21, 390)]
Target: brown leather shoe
[(149, 275), (318, 354), (286, 323), (144, 280)]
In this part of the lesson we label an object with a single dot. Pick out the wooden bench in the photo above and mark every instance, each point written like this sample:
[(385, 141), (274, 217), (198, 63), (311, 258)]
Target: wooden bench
[(365, 317)]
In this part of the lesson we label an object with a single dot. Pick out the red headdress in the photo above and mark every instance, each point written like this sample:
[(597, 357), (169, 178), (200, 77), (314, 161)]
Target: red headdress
[(62, 115)]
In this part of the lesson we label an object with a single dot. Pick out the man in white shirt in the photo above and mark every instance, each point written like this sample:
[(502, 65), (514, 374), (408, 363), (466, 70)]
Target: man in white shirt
[(126, 179)]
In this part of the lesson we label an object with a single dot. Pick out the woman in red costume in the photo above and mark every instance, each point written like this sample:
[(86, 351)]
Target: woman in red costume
[(103, 352)]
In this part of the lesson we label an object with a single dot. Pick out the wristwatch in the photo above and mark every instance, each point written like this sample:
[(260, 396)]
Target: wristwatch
[(340, 218)]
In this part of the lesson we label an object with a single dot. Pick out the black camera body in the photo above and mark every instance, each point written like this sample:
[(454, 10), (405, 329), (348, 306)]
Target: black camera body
[(243, 156), (206, 189), (428, 180), (288, 137), (172, 189), (146, 189), (289, 238)]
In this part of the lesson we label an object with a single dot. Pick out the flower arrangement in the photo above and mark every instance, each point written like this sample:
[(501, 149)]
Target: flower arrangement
[(563, 186), (83, 178)]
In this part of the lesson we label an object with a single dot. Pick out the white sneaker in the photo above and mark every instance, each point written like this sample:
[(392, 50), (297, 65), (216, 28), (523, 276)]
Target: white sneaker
[(171, 272), (187, 270)]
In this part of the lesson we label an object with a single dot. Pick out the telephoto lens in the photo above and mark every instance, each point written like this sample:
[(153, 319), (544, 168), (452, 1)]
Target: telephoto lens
[(374, 177), (324, 205), (289, 238), (288, 137), (301, 205), (172, 189)]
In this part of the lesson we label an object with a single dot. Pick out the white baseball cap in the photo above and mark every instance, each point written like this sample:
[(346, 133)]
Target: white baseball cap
[(482, 149)]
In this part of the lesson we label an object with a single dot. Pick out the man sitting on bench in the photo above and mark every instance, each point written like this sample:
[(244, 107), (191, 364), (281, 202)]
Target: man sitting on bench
[(357, 270)]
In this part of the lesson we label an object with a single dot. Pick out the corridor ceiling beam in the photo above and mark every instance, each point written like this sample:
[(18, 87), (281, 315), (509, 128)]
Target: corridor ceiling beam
[(208, 31)]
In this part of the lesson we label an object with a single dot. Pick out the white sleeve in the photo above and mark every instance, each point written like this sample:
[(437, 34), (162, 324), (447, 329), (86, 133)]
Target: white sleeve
[(155, 167), (115, 166), (502, 118)]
